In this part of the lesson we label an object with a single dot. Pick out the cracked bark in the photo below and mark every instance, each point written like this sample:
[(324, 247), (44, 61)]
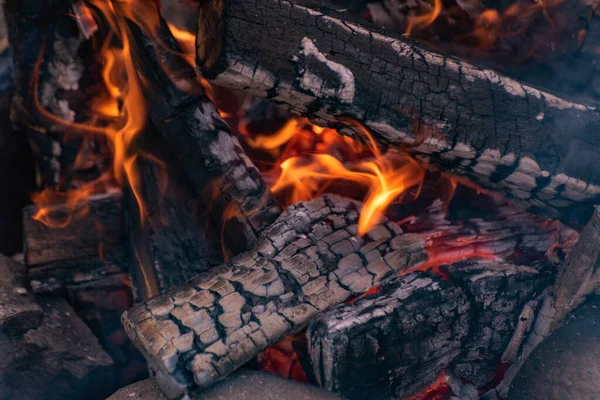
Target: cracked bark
[(418, 325), (240, 202), (308, 261), (577, 278), (319, 61)]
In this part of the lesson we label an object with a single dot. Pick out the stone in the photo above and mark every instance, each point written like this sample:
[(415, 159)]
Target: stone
[(243, 384), (567, 364)]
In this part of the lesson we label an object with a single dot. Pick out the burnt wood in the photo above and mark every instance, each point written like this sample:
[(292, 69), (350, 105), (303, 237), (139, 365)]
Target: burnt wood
[(56, 72), (308, 261), (419, 325), (105, 271), (577, 278), (240, 202), (171, 237), (317, 60), (84, 236)]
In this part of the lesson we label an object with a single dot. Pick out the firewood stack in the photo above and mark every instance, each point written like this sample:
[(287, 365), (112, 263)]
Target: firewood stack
[(181, 226)]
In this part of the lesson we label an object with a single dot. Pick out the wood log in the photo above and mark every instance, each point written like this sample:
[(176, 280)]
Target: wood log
[(419, 325), (317, 60), (80, 235), (393, 343), (172, 238), (88, 252), (241, 203), (309, 260), (576, 279), (110, 270), (55, 71)]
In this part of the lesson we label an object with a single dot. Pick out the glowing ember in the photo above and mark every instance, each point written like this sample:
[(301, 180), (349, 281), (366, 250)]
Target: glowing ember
[(281, 359)]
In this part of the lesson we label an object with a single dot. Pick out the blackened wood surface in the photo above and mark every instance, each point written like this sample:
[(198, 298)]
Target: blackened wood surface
[(87, 235), (504, 135), (393, 344), (172, 236), (308, 261), (107, 270), (240, 203), (55, 72)]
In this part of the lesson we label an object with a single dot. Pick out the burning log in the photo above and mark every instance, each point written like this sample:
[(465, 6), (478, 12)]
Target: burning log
[(53, 73), (308, 261), (418, 325), (69, 246), (230, 185), (170, 237), (55, 233), (317, 60)]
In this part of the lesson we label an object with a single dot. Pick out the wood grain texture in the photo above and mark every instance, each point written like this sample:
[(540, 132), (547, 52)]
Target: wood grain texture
[(317, 60)]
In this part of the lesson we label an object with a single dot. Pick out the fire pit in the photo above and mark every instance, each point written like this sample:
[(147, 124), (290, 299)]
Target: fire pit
[(313, 189)]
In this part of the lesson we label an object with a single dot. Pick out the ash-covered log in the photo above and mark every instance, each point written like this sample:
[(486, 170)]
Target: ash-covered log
[(316, 59), (419, 325), (308, 261), (391, 344), (240, 203)]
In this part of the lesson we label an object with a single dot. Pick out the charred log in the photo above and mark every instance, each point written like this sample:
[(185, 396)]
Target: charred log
[(308, 261), (576, 279), (419, 325), (171, 236), (106, 271), (54, 68), (401, 338), (69, 249), (317, 60), (55, 233), (230, 185)]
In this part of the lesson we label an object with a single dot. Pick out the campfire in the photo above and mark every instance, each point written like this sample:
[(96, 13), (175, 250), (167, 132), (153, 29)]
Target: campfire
[(383, 199)]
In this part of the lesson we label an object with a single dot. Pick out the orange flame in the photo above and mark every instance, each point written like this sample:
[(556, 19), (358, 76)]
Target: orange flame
[(122, 103), (424, 20), (303, 177)]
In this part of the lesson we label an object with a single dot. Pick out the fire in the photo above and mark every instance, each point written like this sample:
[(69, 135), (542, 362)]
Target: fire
[(121, 104), (424, 20), (303, 175)]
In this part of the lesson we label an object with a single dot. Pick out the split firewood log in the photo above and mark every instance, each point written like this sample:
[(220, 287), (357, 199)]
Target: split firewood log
[(171, 235), (308, 261), (318, 60), (419, 325), (241, 205)]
